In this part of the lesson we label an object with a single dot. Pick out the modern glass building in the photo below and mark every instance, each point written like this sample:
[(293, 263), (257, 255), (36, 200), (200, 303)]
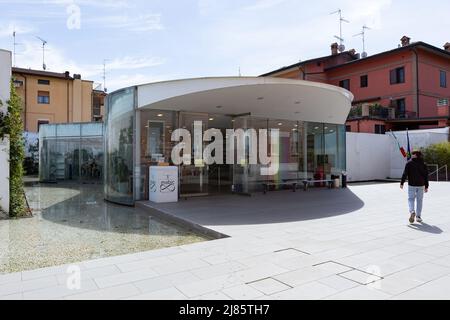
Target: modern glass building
[(71, 152), (140, 121)]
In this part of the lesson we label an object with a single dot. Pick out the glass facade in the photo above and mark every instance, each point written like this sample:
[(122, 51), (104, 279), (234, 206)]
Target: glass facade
[(136, 139), (305, 150), (119, 142), (71, 152)]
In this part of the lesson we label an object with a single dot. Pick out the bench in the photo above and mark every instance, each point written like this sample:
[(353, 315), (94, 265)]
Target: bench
[(266, 185), (306, 183)]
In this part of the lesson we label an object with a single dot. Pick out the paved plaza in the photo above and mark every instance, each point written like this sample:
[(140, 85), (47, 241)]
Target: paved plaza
[(353, 243)]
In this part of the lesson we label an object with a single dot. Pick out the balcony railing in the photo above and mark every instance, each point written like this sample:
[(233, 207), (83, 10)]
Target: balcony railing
[(405, 114), (380, 112)]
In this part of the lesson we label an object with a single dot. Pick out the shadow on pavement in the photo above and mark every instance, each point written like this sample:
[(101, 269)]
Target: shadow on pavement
[(426, 228), (274, 207)]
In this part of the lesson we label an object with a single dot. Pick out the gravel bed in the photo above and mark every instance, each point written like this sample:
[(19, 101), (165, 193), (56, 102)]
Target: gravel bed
[(72, 223)]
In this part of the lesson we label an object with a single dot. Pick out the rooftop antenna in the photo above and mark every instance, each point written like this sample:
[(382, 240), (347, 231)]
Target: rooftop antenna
[(340, 37), (363, 34), (44, 42), (14, 47), (104, 75)]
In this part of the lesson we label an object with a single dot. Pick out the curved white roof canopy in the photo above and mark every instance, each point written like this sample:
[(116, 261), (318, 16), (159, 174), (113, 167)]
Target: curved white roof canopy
[(272, 98)]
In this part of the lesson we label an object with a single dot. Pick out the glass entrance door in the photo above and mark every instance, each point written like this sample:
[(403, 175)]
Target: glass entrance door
[(220, 176), (194, 177)]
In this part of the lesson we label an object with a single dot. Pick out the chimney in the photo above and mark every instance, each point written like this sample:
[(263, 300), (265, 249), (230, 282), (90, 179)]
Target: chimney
[(405, 41), (67, 74), (447, 46), (334, 49), (77, 76), (352, 52)]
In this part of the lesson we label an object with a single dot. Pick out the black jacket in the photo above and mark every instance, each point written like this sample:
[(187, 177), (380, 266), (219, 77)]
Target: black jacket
[(416, 172)]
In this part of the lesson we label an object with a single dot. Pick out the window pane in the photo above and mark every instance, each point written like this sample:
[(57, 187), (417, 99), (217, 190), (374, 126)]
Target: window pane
[(393, 76), (43, 97), (401, 75), (443, 79), (68, 130), (345, 84), (92, 129), (364, 81), (42, 81)]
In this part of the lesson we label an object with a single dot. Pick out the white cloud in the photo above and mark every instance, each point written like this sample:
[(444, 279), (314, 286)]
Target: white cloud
[(57, 61), (20, 28), (126, 80), (368, 12), (264, 4), (92, 3), (139, 23), (130, 63)]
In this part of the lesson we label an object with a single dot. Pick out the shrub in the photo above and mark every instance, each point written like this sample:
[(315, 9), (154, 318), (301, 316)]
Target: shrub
[(438, 153), (11, 124)]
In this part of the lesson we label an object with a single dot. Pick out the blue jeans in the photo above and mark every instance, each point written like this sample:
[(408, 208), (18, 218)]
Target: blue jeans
[(415, 194)]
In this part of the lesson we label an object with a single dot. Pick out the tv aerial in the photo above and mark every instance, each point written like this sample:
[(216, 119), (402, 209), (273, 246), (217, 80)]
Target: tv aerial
[(44, 42), (104, 75), (15, 44), (341, 47), (363, 35)]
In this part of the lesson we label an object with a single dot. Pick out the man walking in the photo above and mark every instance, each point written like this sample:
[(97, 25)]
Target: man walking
[(417, 174)]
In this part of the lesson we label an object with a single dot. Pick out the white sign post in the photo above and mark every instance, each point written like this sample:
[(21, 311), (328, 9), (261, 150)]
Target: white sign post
[(163, 184)]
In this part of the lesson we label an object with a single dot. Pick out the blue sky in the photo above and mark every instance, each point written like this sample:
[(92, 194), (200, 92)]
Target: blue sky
[(153, 40)]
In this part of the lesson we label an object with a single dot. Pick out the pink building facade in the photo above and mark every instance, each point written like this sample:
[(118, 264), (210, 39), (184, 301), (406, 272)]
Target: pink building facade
[(407, 87)]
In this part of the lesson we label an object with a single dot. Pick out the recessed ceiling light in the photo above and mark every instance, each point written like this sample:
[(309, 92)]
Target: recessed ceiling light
[(296, 125), (160, 115), (316, 128), (280, 124), (211, 119), (326, 128)]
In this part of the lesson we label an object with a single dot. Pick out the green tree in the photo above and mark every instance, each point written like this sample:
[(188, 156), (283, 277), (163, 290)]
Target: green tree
[(11, 124), (438, 153)]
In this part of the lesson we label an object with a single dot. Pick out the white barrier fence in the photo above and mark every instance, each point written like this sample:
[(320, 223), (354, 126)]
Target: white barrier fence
[(376, 156), (5, 77)]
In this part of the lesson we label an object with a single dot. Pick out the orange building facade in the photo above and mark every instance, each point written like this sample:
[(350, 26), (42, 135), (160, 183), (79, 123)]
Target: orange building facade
[(408, 87), (50, 97)]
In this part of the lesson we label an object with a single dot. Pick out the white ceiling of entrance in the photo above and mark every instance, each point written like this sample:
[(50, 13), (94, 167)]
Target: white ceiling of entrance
[(271, 98)]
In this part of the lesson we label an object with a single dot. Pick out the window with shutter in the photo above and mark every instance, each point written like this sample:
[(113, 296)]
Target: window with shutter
[(397, 75), (393, 77)]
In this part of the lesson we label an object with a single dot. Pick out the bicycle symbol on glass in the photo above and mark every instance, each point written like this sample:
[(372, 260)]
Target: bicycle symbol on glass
[(167, 186)]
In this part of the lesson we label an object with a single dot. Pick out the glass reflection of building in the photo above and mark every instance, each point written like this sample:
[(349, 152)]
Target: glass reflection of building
[(137, 138), (71, 152)]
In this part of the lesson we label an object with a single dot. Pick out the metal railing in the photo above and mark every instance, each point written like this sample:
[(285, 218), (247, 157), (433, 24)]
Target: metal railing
[(436, 173)]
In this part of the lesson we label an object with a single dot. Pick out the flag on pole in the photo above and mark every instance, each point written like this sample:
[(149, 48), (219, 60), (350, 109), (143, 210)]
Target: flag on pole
[(402, 150), (409, 146)]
